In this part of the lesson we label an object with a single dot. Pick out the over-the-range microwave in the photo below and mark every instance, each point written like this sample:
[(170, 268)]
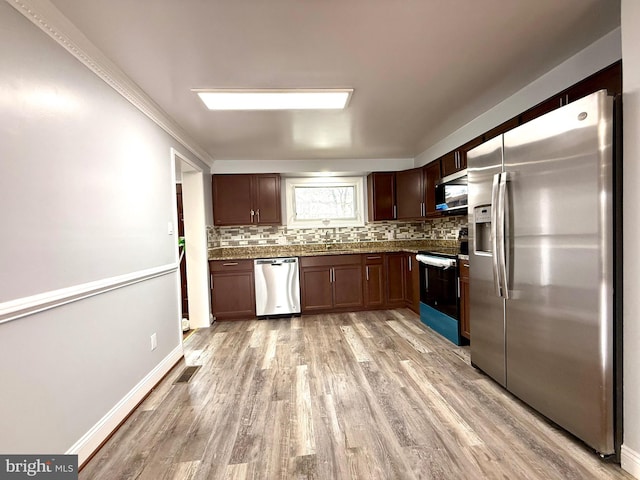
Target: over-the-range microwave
[(451, 193)]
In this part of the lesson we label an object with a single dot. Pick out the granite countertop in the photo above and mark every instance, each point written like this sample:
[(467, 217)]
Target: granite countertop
[(313, 249)]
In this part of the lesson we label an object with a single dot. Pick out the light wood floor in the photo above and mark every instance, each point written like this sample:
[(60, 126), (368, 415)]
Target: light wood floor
[(371, 395)]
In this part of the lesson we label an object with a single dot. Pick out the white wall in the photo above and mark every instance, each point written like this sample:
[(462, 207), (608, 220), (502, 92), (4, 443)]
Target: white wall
[(86, 189), (595, 57), (631, 221)]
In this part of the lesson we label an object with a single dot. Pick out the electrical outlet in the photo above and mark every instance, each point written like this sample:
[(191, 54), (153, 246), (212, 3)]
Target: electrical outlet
[(154, 342), (170, 228)]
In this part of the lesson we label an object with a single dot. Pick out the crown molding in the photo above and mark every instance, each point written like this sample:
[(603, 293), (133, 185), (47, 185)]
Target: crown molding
[(50, 20)]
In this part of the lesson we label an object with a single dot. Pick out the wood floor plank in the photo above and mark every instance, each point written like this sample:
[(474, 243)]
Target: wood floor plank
[(448, 415), (366, 395), (358, 349), (304, 439), (414, 341)]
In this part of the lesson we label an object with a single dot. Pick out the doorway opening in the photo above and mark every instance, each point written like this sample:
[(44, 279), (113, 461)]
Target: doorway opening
[(191, 253)]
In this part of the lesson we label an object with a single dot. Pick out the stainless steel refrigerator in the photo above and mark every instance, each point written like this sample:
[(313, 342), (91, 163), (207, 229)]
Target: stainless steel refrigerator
[(541, 265)]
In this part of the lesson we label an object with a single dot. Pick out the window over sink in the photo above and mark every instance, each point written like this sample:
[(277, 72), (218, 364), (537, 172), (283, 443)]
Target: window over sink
[(324, 202)]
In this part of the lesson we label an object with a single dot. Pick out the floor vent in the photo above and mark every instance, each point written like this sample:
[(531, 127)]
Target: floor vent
[(186, 375)]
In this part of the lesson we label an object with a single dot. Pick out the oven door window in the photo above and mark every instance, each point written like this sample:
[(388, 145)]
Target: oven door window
[(440, 290)]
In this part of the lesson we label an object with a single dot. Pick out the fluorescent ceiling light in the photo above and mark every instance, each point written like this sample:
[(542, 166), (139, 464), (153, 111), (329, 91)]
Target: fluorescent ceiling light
[(280, 99)]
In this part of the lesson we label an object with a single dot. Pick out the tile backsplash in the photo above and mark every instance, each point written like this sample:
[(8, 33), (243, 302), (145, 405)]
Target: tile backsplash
[(445, 228)]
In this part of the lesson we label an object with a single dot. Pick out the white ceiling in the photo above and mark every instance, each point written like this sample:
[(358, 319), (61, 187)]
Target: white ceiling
[(420, 68)]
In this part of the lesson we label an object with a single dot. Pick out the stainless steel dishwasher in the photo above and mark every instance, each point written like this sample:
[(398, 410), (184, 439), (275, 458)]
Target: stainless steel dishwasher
[(277, 286)]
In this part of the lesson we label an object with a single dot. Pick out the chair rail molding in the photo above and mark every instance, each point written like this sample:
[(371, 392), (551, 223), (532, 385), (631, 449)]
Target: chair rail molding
[(50, 20), (22, 307)]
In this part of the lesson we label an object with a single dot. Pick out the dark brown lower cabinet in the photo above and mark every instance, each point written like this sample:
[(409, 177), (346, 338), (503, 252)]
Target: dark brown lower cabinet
[(412, 281), (328, 283), (316, 288), (374, 281), (331, 282), (403, 289), (396, 289), (347, 286), (232, 289), (465, 327)]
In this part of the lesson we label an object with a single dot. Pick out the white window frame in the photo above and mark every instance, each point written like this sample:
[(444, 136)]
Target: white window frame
[(290, 210)]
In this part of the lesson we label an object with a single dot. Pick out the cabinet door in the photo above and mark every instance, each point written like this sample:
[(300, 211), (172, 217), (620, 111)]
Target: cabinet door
[(316, 289), (396, 296), (410, 194), (267, 205), (232, 295), (431, 178), (347, 286), (449, 163), (609, 78), (465, 327), (412, 281), (381, 196), (232, 199), (535, 112), (374, 281)]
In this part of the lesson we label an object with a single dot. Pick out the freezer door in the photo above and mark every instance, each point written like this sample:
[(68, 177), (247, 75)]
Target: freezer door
[(486, 314), (559, 318)]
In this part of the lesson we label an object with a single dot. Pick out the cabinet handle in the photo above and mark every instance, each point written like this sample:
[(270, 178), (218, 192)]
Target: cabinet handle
[(458, 287), (560, 101), (230, 264), (333, 275), (410, 264), (252, 214), (367, 273), (258, 216), (465, 265), (211, 279), (395, 212), (373, 258)]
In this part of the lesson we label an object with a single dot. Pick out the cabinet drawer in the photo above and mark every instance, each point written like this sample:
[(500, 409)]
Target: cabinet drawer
[(230, 265), (373, 258), (330, 260)]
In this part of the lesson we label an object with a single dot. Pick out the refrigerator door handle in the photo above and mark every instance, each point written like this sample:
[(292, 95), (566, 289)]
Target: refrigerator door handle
[(503, 226), (495, 232)]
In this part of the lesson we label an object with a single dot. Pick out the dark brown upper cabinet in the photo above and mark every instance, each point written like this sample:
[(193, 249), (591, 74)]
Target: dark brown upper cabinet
[(246, 199), (450, 163), (609, 78), (431, 177), (455, 161), (410, 194), (502, 128), (381, 196)]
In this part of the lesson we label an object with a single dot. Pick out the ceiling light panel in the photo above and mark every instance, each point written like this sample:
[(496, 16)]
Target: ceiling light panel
[(281, 99)]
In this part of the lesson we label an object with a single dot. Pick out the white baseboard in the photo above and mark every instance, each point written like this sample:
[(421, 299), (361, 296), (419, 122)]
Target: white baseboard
[(91, 440), (630, 461)]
